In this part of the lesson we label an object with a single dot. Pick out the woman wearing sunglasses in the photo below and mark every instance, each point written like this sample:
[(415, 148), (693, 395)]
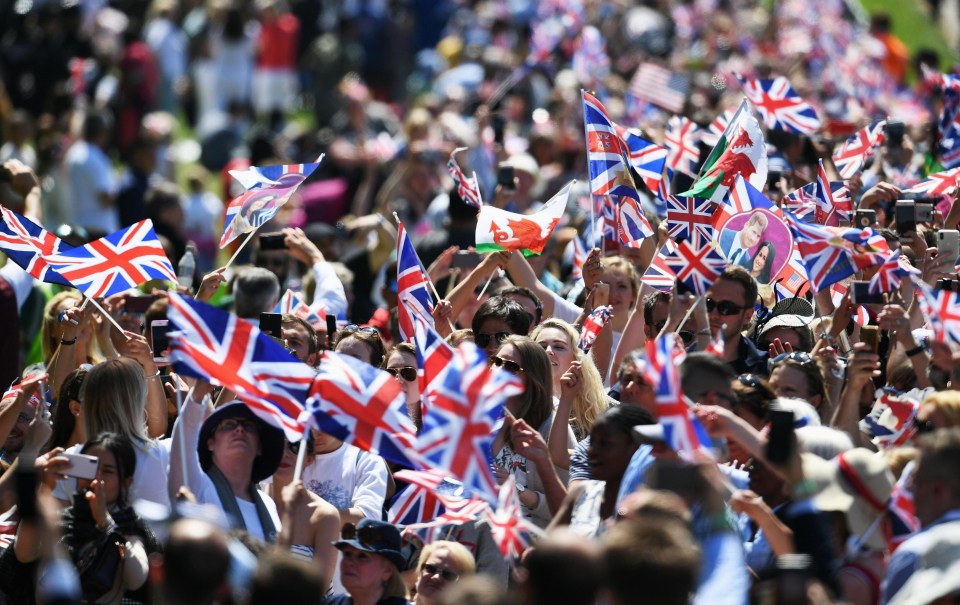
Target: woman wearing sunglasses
[(441, 564), (402, 363), (370, 565), (522, 356)]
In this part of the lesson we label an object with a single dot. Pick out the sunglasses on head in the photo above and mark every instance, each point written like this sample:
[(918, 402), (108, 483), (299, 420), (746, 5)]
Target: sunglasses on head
[(408, 373), (371, 537), (356, 328), (508, 365), (448, 575), (751, 381), (483, 339), (800, 357), (724, 307)]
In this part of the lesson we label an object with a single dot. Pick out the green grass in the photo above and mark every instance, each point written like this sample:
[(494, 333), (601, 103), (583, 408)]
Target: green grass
[(913, 25)]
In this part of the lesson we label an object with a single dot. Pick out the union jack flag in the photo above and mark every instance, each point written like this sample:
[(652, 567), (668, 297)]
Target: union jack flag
[(942, 310), (941, 183), (831, 209), (433, 356), (610, 213), (949, 143), (606, 153), (592, 326), (892, 421), (267, 189), (27, 243), (717, 127), (833, 253), (466, 398), (579, 257), (214, 345), (682, 140), (803, 202), (432, 489), (742, 197), (412, 292), (681, 430), (291, 304), (116, 263), (659, 275), (360, 404), (850, 157), (468, 189), (507, 524), (646, 158), (901, 511), (690, 219), (696, 267), (780, 106), (634, 226), (890, 273)]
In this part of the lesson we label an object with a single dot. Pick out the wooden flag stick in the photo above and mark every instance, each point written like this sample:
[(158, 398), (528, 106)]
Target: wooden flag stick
[(486, 285), (301, 456), (426, 276), (237, 253), (690, 312), (105, 314)]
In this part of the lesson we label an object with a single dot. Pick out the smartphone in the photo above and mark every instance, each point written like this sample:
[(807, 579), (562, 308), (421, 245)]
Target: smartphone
[(946, 283), (464, 259), (166, 379), (27, 492), (894, 131), (781, 441), (161, 341), (505, 177), (860, 294), (865, 218), (270, 324), (948, 240), (498, 124), (870, 336), (905, 212), (331, 330), (924, 211), (273, 241), (82, 466), (138, 304)]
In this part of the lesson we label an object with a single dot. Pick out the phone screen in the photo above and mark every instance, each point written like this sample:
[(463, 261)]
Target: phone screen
[(780, 442), (270, 324), (161, 340)]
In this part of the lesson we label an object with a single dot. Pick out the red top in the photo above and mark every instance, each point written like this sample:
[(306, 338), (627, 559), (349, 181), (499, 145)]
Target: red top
[(278, 43)]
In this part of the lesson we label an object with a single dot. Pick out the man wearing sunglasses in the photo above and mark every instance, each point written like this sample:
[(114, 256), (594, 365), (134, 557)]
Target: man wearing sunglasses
[(497, 318), (729, 305)]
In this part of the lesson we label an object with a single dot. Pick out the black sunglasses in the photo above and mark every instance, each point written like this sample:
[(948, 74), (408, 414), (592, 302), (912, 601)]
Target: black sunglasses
[(294, 446), (448, 575), (408, 373), (751, 381), (724, 307), (801, 357), (367, 536), (508, 365), (685, 335), (483, 340)]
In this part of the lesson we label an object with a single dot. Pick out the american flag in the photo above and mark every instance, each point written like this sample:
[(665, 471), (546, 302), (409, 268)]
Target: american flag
[(850, 157), (901, 511), (690, 219), (682, 140), (579, 257), (682, 431), (590, 61), (592, 326), (634, 226), (890, 273), (507, 524), (412, 293), (214, 345), (468, 188), (27, 243), (466, 399), (892, 421), (606, 152), (267, 189), (360, 404), (833, 253), (646, 158), (941, 183), (942, 310), (833, 207), (792, 279), (660, 86), (780, 106), (116, 263), (696, 267), (659, 275)]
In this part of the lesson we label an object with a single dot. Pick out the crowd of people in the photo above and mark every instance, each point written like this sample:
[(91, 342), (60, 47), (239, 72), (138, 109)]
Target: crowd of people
[(830, 471)]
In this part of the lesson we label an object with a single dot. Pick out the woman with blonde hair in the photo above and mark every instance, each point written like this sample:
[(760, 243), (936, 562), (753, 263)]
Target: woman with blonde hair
[(939, 410), (441, 563), (65, 345), (113, 399), (582, 406)]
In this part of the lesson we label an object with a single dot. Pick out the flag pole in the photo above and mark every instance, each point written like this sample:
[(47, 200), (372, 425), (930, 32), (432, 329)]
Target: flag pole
[(105, 314), (301, 456), (427, 277), (486, 285), (183, 439), (237, 253), (690, 311)]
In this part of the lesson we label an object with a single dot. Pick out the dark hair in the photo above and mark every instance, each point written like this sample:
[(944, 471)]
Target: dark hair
[(768, 264), (371, 338), (650, 302), (506, 310), (756, 399), (156, 310), (161, 196), (739, 275), (280, 578), (403, 347), (625, 417), (313, 343), (701, 373), (96, 123), (122, 450), (63, 419), (812, 372), (538, 395), (528, 293)]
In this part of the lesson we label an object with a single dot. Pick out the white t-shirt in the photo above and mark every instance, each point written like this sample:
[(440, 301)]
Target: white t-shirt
[(349, 477), (89, 174)]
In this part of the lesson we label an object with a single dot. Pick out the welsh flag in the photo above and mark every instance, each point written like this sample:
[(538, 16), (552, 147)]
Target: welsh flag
[(740, 150), (501, 230)]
